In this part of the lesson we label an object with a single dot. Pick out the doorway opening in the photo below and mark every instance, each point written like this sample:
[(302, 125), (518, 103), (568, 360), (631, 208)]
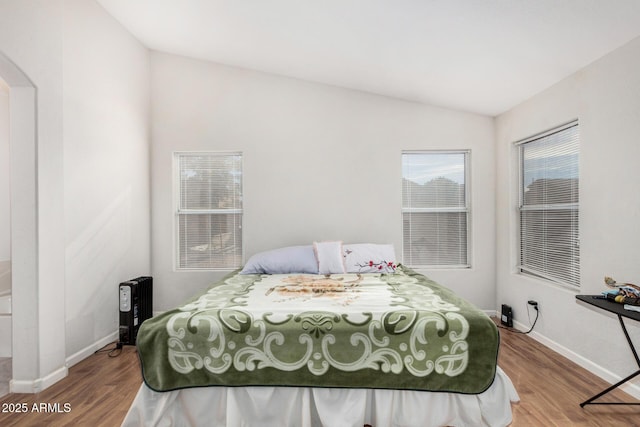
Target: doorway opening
[(23, 229)]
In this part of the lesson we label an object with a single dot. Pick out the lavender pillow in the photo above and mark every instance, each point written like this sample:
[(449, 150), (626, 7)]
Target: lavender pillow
[(290, 259)]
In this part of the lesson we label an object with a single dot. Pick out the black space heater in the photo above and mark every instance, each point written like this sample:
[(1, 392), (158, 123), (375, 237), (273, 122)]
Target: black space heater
[(136, 297), (507, 316)]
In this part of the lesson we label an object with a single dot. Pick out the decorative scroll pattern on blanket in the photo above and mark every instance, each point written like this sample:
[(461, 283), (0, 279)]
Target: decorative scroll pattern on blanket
[(316, 346), (380, 330)]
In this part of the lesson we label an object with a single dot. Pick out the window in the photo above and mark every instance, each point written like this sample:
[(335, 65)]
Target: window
[(549, 206), (435, 208), (209, 210)]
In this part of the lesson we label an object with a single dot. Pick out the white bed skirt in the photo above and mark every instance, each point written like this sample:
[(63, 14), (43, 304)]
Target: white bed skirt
[(327, 407)]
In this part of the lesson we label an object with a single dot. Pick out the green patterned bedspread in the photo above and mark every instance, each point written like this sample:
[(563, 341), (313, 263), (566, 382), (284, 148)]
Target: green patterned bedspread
[(398, 331)]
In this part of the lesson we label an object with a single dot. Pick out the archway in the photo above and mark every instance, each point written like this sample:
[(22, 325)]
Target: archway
[(24, 226)]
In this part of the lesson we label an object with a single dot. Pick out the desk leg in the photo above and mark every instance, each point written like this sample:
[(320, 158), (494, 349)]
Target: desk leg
[(602, 393), (590, 401), (626, 334)]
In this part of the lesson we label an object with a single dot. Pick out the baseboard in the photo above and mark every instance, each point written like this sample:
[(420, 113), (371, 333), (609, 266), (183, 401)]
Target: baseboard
[(89, 350), (583, 362), (36, 386)]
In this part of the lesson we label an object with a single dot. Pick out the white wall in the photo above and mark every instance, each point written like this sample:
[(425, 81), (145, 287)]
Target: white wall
[(320, 163), (5, 225), (89, 80), (31, 39), (605, 97), (106, 174)]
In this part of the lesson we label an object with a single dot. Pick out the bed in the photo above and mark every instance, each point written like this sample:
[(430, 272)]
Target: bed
[(349, 341)]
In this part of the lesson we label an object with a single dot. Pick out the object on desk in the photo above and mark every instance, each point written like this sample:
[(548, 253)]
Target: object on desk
[(622, 293), (628, 300), (610, 282), (623, 299), (632, 307)]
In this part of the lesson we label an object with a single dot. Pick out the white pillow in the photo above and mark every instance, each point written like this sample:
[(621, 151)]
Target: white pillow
[(369, 258), (291, 259), (329, 255)]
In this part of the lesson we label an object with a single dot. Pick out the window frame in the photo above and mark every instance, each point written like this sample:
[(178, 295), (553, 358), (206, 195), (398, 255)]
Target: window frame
[(178, 211), (466, 209), (555, 207)]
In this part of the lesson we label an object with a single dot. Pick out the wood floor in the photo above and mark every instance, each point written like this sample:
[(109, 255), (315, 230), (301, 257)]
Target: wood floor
[(99, 390), (551, 388)]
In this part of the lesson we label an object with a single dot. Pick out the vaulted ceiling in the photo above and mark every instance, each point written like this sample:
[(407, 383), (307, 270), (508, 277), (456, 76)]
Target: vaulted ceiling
[(482, 56)]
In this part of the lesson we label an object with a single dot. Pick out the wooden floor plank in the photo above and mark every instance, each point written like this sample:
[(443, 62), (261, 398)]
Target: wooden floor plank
[(100, 389), (551, 388)]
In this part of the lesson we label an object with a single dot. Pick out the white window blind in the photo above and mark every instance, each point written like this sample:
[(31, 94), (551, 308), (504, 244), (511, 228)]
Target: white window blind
[(435, 209), (209, 210), (549, 206)]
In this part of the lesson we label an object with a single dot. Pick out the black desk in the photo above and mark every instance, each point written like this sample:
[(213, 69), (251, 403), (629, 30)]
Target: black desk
[(618, 310)]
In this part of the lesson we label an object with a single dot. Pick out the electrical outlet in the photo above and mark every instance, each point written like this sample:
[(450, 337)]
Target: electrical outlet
[(533, 303)]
